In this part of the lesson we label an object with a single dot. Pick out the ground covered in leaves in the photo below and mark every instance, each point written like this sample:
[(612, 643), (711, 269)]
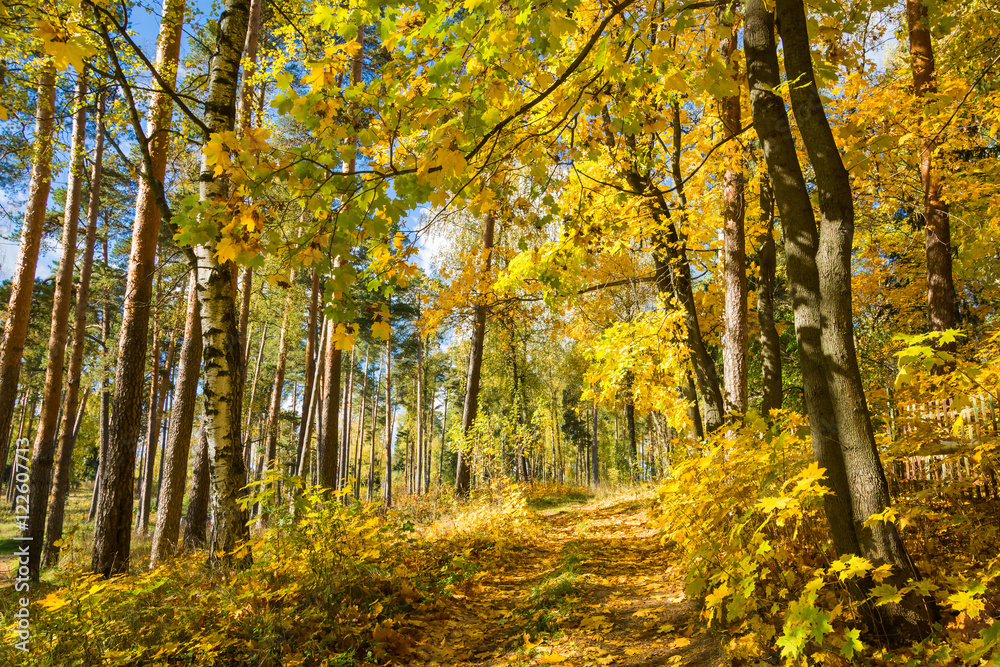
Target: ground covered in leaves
[(590, 586)]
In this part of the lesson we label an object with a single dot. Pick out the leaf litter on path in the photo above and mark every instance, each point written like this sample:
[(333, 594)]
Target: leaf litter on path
[(593, 588)]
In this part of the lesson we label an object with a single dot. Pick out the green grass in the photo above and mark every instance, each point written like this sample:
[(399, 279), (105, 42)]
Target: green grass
[(569, 496)]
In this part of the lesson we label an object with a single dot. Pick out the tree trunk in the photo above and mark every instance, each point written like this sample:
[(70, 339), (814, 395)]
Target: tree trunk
[(253, 395), (22, 284), (345, 426), (420, 416), (67, 440), (937, 225), (819, 275), (770, 342), (444, 433), (371, 450), (311, 332), (195, 533), (113, 521), (314, 410), (220, 332), (387, 478), (471, 407), (278, 388), (633, 454), (361, 427), (153, 437), (175, 454), (326, 457), (735, 333), (105, 409), (48, 426), (595, 476)]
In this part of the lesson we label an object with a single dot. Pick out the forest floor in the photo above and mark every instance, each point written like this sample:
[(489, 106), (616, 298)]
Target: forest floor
[(592, 586)]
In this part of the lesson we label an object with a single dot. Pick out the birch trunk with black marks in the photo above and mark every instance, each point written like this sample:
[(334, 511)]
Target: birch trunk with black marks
[(222, 354)]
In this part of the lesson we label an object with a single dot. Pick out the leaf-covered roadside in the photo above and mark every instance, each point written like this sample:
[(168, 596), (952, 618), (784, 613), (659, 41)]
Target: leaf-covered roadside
[(337, 584)]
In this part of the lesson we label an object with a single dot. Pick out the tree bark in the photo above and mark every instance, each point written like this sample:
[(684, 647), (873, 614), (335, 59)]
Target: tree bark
[(153, 435), (819, 277), (371, 450), (937, 224), (330, 446), (420, 416), (361, 426), (105, 408), (253, 395), (595, 476), (277, 390), (387, 478), (176, 452), (195, 533), (770, 342), (471, 406), (735, 335), (113, 521), (48, 426), (311, 332), (222, 354), (67, 439), (15, 328)]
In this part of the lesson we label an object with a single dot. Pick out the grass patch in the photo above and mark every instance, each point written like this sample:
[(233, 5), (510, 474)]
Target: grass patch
[(553, 600), (548, 496)]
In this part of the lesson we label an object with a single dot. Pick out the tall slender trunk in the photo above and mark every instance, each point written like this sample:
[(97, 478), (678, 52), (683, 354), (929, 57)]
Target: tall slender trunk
[(420, 416), (770, 342), (220, 332), (253, 396), (195, 533), (471, 407), (937, 224), (153, 437), (48, 426), (345, 425), (311, 332), (371, 449), (64, 454), (105, 408), (387, 479), (735, 333), (313, 414), (277, 389), (113, 520), (595, 475), (633, 454), (361, 427), (15, 328), (444, 431), (327, 452), (176, 451)]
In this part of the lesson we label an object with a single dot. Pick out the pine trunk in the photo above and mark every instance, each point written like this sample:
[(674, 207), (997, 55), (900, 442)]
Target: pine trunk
[(329, 448), (277, 390), (48, 426), (195, 533), (175, 454), (67, 440), (113, 520), (387, 479)]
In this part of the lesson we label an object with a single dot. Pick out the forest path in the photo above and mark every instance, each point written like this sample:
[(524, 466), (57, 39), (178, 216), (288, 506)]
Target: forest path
[(592, 587)]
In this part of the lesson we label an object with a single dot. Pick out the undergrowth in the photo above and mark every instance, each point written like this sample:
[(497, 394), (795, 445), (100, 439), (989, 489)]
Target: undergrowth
[(744, 514), (329, 584)]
